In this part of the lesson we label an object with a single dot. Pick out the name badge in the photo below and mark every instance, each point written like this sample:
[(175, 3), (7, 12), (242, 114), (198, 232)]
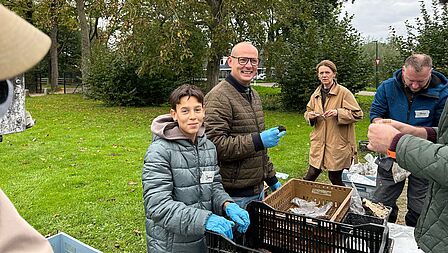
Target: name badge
[(207, 176), (422, 114)]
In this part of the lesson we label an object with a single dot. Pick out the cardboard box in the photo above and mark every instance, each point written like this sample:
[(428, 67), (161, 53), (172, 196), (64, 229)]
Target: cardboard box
[(312, 191)]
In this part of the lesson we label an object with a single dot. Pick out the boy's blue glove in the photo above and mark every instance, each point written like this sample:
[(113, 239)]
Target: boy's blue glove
[(220, 225), (238, 215), (275, 186), (271, 137)]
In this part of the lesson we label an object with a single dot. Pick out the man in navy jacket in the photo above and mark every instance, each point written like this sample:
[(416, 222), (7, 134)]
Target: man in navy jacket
[(415, 95)]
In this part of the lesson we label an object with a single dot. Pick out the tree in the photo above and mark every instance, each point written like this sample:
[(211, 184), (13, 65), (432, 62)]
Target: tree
[(306, 38), (54, 67), (85, 39), (427, 36), (390, 61)]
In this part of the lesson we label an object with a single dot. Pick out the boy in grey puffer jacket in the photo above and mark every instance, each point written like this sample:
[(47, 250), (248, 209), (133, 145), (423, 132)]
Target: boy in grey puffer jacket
[(182, 190)]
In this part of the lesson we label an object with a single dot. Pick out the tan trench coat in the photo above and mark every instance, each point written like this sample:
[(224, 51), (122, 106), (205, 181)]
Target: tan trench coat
[(332, 141), (16, 235)]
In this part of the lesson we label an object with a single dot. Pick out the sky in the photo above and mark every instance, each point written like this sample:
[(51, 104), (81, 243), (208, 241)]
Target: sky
[(372, 18)]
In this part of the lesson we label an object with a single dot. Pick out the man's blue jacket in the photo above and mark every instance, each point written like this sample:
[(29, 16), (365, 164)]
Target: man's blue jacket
[(424, 109)]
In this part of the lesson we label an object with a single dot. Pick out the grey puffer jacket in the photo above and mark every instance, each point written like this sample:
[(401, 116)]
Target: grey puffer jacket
[(430, 160), (181, 188)]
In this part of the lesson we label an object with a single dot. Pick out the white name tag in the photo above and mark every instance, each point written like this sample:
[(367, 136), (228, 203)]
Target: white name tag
[(422, 114), (207, 177)]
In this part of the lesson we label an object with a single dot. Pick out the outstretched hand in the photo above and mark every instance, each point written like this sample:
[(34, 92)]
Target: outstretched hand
[(380, 137)]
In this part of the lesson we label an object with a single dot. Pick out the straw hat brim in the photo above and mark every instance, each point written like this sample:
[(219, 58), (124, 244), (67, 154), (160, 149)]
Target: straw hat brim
[(21, 45)]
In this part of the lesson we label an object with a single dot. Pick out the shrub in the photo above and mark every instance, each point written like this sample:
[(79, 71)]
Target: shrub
[(270, 96), (113, 79)]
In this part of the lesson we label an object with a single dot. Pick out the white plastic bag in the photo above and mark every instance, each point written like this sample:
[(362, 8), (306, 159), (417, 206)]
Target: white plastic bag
[(356, 202), (368, 168), (399, 173)]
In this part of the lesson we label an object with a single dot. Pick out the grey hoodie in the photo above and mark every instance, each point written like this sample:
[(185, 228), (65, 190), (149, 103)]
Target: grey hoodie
[(165, 127)]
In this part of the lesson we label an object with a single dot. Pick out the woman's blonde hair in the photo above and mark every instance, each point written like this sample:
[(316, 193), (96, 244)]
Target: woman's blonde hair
[(327, 63)]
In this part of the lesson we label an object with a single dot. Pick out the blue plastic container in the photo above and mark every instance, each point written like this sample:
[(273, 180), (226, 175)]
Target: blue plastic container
[(63, 243)]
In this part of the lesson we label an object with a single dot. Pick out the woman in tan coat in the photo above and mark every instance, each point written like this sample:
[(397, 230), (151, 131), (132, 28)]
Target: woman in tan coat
[(332, 111)]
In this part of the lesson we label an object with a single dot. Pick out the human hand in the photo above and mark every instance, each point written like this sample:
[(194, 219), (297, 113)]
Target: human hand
[(400, 126), (271, 137), (380, 137), (220, 225), (275, 186), (330, 113), (313, 115), (238, 215)]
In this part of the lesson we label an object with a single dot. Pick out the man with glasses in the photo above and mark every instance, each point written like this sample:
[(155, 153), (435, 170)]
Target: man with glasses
[(415, 95), (234, 122)]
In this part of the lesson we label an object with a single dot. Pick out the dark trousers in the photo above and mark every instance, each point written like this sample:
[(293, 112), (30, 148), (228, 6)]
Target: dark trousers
[(335, 176), (387, 192)]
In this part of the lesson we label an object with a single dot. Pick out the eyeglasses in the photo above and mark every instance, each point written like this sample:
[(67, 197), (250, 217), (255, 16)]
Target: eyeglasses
[(243, 60)]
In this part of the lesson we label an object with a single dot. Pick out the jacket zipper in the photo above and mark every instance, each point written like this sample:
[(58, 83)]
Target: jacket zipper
[(408, 116), (198, 168), (265, 174)]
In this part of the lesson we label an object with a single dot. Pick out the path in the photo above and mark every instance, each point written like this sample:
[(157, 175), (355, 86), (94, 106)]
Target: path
[(60, 91)]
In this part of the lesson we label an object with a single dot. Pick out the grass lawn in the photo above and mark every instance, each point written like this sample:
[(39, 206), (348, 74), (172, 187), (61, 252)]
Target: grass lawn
[(78, 170)]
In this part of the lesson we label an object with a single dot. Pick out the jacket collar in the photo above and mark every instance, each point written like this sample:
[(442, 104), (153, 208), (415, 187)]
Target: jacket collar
[(165, 127), (245, 91), (239, 87), (335, 88)]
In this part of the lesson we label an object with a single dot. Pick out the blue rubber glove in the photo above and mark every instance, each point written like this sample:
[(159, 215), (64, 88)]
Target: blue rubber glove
[(238, 215), (275, 186), (271, 137), (220, 225)]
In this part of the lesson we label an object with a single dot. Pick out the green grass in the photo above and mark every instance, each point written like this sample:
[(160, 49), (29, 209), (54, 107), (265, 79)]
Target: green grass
[(370, 88), (79, 169), (262, 90)]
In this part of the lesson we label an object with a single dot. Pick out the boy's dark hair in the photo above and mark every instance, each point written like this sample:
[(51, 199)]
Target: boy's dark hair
[(185, 90)]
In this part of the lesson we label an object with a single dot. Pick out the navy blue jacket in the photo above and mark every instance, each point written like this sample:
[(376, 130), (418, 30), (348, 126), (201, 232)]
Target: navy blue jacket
[(390, 101)]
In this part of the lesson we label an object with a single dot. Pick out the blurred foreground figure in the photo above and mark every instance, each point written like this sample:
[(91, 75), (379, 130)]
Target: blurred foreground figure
[(21, 47), (424, 152)]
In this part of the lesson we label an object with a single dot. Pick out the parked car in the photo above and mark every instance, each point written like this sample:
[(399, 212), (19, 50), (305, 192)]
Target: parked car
[(261, 76)]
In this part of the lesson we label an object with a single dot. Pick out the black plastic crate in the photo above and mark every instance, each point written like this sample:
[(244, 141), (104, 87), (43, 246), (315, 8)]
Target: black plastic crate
[(284, 232), (221, 244), (278, 231)]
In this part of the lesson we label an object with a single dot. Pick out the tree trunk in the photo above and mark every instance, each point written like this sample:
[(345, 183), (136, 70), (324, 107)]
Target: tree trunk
[(85, 40), (212, 72), (54, 71), (213, 63)]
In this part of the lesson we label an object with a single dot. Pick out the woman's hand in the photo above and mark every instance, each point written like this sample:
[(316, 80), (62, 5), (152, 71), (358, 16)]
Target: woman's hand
[(313, 115), (330, 113)]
